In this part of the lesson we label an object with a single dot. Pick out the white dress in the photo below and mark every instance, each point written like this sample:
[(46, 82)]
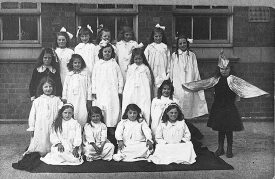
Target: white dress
[(184, 70), (77, 90), (124, 53), (134, 135), (64, 56), (87, 52), (43, 112), (137, 89), (158, 57), (169, 148), (70, 137), (157, 108), (97, 133), (107, 83)]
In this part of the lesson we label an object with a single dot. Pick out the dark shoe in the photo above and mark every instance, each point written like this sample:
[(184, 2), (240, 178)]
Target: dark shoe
[(229, 153), (219, 152)]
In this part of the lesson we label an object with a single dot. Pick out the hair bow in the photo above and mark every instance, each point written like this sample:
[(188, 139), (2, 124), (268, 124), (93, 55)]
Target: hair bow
[(69, 34), (68, 104), (103, 43), (90, 28), (78, 29), (190, 40), (159, 26), (99, 28)]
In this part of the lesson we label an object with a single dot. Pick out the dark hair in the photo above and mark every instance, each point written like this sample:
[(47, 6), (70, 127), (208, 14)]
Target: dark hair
[(54, 62), (158, 30), (181, 36), (76, 56), (132, 107), (218, 73), (100, 53), (99, 34), (140, 51), (57, 123), (164, 83), (124, 30), (85, 31), (165, 117), (66, 37), (95, 110), (46, 79)]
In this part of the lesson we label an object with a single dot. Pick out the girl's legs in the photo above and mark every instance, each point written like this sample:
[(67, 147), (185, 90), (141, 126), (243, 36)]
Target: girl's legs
[(220, 150), (229, 136)]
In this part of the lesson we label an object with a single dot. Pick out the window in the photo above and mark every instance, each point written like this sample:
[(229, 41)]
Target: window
[(19, 23), (205, 24), (112, 16)]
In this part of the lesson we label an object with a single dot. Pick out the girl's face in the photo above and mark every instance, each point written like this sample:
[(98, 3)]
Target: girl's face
[(225, 71), (128, 36), (106, 36), (157, 37), (47, 59), (132, 115), (166, 91), (182, 43), (47, 89), (85, 38), (138, 59), (107, 53), (77, 64), (67, 114), (95, 118), (61, 41), (173, 115)]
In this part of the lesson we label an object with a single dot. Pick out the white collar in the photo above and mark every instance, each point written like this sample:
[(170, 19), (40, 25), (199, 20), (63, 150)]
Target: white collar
[(42, 68)]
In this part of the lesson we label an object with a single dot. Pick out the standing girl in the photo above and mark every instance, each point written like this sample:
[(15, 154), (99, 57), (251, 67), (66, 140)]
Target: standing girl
[(86, 48), (43, 111), (126, 43), (158, 56), (184, 69), (173, 139), (77, 88), (139, 79), (65, 138), (107, 86), (133, 136), (63, 51), (96, 144), (47, 66)]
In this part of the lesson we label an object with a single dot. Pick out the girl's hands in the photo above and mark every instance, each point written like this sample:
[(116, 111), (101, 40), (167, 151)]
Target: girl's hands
[(97, 149), (120, 144), (75, 152), (60, 147), (149, 144)]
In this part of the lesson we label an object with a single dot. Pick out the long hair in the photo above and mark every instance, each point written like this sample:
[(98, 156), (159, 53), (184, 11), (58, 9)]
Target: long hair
[(132, 107), (99, 35), (76, 56), (54, 62), (64, 34), (165, 117), (124, 30), (85, 31), (161, 31), (181, 36), (140, 52), (100, 53), (166, 83), (57, 124), (46, 79), (95, 110)]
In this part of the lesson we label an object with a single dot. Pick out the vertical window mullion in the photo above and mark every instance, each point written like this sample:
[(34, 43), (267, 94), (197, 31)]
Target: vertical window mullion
[(192, 27), (19, 28), (115, 27), (1, 26), (210, 24)]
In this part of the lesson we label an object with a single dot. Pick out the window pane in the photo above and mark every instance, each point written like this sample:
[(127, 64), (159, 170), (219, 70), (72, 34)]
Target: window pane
[(183, 7), (219, 7), (183, 26), (91, 20), (10, 27), (9, 5), (201, 28), (89, 6), (201, 7), (29, 28), (109, 23), (219, 28), (28, 5), (106, 6), (125, 6)]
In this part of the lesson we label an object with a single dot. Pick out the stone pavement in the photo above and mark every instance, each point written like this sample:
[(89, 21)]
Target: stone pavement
[(252, 148)]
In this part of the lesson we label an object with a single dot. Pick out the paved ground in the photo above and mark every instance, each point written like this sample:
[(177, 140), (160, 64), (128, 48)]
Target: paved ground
[(253, 155)]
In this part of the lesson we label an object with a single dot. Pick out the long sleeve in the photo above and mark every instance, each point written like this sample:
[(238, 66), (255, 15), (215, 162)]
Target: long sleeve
[(148, 74), (54, 137), (32, 117), (159, 135), (93, 81), (146, 131), (186, 133), (168, 63), (119, 131), (146, 53), (58, 84), (120, 79), (78, 136), (89, 88), (89, 136), (65, 88), (153, 109), (103, 133), (33, 83)]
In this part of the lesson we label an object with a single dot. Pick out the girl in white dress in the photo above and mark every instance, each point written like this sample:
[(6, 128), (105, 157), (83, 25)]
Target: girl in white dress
[(96, 144), (65, 139), (126, 43), (63, 52), (107, 86), (138, 84), (133, 135), (77, 88), (184, 69), (86, 48), (173, 139), (158, 56), (43, 111)]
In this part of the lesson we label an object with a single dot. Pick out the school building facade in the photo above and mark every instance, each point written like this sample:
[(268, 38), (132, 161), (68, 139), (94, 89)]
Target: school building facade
[(246, 34)]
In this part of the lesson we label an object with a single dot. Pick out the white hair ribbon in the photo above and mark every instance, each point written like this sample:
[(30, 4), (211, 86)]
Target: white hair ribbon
[(78, 29), (99, 27), (190, 40), (68, 104), (90, 28), (103, 43), (159, 26), (69, 34), (140, 45)]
